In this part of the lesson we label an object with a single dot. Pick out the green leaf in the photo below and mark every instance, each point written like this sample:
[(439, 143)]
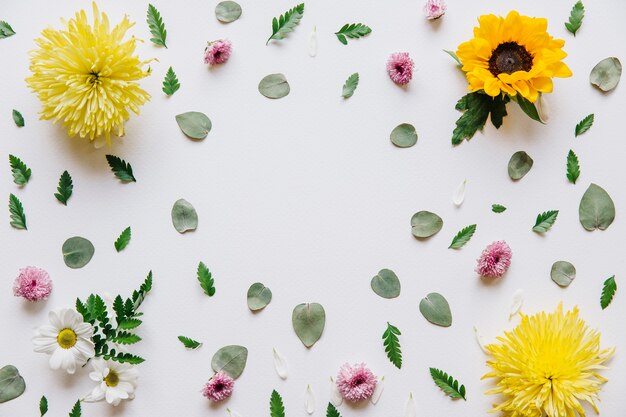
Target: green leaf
[(350, 85), (331, 411), (156, 25), (575, 18), (463, 237), (274, 86), (16, 211), (528, 107), (170, 83), (76, 410), (454, 56), (392, 345), (352, 31), (308, 322), (144, 289), (129, 324), (608, 292), (545, 221), (435, 308), (189, 343), (18, 118), (277, 409), (43, 406), (425, 224), (128, 358), (205, 279), (562, 273), (476, 108), (497, 208), (573, 168), (5, 30), (21, 172), (123, 239), (259, 296), (447, 384), (386, 284), (596, 209), (194, 124), (584, 125), (230, 359), (77, 252), (64, 188), (121, 168), (227, 11), (403, 135), (519, 165), (286, 23), (126, 338), (606, 74), (12, 384), (184, 216)]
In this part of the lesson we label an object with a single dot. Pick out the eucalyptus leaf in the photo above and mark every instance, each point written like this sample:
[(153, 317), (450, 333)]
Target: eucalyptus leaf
[(386, 284), (12, 384), (404, 135), (230, 359), (77, 252), (274, 86), (435, 308), (194, 124), (308, 322), (259, 296), (227, 11), (606, 74), (596, 210), (519, 165), (425, 224), (562, 273), (184, 216)]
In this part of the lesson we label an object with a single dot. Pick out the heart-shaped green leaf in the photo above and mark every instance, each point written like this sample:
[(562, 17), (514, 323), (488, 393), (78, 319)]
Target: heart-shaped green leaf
[(596, 210), (519, 165), (259, 296), (230, 359), (77, 252), (562, 273), (606, 74), (308, 322), (12, 384), (386, 284), (425, 224), (274, 86), (404, 135), (227, 11), (435, 308), (194, 124), (184, 216)]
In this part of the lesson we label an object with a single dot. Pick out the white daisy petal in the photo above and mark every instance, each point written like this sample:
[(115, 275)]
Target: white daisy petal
[(233, 413), (309, 400), (459, 194), (378, 391), (56, 359), (410, 410), (517, 303), (280, 363), (481, 340), (335, 396)]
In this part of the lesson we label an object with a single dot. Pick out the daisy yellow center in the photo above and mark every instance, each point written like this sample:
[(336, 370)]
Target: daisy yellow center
[(510, 57), (112, 379), (66, 338)]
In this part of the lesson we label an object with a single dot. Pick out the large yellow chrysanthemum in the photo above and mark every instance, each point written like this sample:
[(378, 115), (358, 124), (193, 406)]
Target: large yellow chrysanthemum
[(548, 364), (512, 55), (87, 75)]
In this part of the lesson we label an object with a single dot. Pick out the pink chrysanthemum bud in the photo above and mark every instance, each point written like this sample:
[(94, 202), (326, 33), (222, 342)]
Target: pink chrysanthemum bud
[(400, 68), (33, 284), (356, 383), (495, 260), (219, 387), (217, 52), (434, 9)]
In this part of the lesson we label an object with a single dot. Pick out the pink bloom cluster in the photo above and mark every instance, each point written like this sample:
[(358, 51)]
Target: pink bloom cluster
[(434, 9), (33, 284), (400, 68), (495, 260), (217, 52), (356, 382), (219, 387)]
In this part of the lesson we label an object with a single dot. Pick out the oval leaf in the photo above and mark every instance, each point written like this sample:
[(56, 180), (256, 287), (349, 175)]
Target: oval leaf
[(12, 384), (562, 273), (435, 308), (274, 86), (308, 322), (386, 284), (519, 165), (77, 252), (606, 74), (259, 296), (230, 359), (194, 124), (227, 11), (404, 136), (184, 216), (596, 210), (425, 224)]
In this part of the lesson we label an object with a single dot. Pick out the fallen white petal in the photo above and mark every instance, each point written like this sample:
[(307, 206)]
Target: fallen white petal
[(410, 410), (335, 395), (378, 391), (309, 400), (481, 340), (99, 142), (543, 108), (313, 42), (516, 305), (233, 413), (459, 194), (280, 363)]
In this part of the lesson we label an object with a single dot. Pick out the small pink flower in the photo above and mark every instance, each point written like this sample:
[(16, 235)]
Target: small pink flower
[(217, 52), (434, 9), (33, 284), (356, 382), (400, 68), (219, 387), (495, 260)]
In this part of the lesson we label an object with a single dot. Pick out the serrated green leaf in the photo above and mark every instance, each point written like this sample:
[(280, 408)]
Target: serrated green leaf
[(121, 169), (476, 108), (573, 168), (170, 83), (128, 358), (448, 384), (454, 56), (43, 406), (64, 188), (129, 324), (5, 30), (156, 25), (18, 118), (21, 172), (352, 31), (331, 411), (392, 345), (123, 239), (462, 237), (277, 408), (286, 23), (350, 85), (497, 208), (545, 221), (16, 211), (608, 292), (189, 343), (584, 125), (76, 410), (126, 338), (576, 18), (205, 279)]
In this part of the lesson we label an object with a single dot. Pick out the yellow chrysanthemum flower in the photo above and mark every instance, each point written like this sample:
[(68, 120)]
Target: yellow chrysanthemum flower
[(548, 364), (512, 55), (87, 75)]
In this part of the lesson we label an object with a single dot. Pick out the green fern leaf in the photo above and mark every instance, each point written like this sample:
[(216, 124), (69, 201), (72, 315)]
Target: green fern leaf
[(462, 237), (205, 279), (286, 23), (156, 25), (573, 168), (575, 18), (447, 384), (76, 410), (392, 345), (170, 83), (352, 31), (121, 169), (16, 211), (608, 291), (350, 85), (65, 188), (584, 125), (189, 343), (545, 221), (277, 408), (21, 172), (123, 239)]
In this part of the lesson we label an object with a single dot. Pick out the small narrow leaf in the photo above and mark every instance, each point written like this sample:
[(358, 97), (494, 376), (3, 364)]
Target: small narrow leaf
[(156, 25), (392, 345), (350, 85), (454, 56), (76, 410), (121, 169), (448, 385), (5, 30), (545, 221), (498, 208), (608, 292), (584, 125), (21, 172), (463, 237), (352, 31), (123, 239), (18, 118), (286, 23), (277, 408), (64, 188), (575, 18), (573, 168), (16, 211), (189, 343), (528, 107), (170, 83), (205, 279), (43, 406)]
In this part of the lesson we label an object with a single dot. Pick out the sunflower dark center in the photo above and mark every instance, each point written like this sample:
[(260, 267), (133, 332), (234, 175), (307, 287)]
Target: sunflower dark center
[(509, 57)]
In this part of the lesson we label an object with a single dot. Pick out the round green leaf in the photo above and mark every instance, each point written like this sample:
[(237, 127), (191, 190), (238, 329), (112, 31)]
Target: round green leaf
[(606, 74), (230, 359), (77, 252), (184, 216), (596, 210), (562, 273), (274, 86), (12, 384), (519, 165), (259, 296), (435, 308), (425, 224), (227, 11), (194, 124), (404, 136), (386, 284), (308, 322)]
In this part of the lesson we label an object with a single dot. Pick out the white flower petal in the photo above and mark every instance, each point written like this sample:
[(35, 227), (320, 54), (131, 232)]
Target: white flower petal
[(543, 108), (99, 142), (56, 359), (309, 400), (410, 410), (233, 413), (459, 193), (516, 304), (313, 42), (335, 395), (280, 363), (378, 391), (481, 340)]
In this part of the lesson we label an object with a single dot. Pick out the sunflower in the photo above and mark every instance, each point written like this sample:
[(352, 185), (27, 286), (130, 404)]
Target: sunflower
[(512, 55), (548, 364), (87, 75)]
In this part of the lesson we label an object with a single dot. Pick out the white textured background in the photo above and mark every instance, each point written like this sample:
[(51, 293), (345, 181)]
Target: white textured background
[(308, 195)]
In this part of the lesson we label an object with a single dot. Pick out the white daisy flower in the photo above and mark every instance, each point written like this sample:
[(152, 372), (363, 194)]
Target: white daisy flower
[(67, 339), (116, 381)]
